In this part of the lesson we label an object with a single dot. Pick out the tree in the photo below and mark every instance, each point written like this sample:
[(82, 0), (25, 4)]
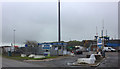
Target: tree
[(31, 47), (31, 43), (71, 44), (74, 43)]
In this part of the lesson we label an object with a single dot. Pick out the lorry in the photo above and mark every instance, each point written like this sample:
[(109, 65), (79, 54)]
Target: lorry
[(108, 49)]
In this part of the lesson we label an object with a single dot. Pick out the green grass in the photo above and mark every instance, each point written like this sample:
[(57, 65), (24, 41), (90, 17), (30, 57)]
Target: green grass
[(43, 58), (27, 58), (17, 57)]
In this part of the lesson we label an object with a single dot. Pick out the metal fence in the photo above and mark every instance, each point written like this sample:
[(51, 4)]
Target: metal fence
[(40, 51)]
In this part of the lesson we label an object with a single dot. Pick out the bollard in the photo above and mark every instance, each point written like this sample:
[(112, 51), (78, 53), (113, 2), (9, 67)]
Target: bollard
[(9, 53), (103, 54)]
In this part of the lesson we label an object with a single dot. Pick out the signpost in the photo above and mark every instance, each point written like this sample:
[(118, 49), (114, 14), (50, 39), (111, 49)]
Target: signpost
[(99, 43)]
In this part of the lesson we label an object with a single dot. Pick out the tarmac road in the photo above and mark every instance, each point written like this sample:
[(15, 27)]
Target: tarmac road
[(110, 61), (13, 63), (59, 62)]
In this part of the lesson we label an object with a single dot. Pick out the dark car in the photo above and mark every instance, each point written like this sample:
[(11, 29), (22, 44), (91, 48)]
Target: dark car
[(77, 51)]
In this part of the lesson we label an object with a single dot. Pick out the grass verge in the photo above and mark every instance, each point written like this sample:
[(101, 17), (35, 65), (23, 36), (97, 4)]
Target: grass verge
[(27, 58)]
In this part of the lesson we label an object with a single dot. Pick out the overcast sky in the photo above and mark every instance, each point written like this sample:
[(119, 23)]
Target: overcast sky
[(38, 20)]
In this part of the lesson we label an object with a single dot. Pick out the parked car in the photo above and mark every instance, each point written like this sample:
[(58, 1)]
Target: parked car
[(77, 51), (108, 49)]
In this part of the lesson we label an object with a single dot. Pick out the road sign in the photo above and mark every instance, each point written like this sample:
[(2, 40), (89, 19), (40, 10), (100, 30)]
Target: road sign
[(46, 53), (52, 43), (59, 43), (46, 46), (26, 45), (56, 48), (39, 43)]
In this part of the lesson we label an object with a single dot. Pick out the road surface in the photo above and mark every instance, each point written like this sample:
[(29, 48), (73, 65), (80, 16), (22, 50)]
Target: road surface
[(110, 61), (13, 63)]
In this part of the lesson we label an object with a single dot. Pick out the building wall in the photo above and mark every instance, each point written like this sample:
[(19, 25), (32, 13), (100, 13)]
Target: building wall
[(94, 47), (115, 41)]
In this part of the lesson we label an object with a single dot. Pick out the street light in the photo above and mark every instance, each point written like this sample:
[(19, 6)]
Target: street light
[(59, 32), (14, 36), (59, 36)]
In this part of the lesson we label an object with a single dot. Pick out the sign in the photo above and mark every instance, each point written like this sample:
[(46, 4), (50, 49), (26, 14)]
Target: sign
[(15, 46), (99, 43), (39, 43), (52, 43), (46, 53), (46, 46), (70, 47), (59, 43), (26, 45), (56, 48)]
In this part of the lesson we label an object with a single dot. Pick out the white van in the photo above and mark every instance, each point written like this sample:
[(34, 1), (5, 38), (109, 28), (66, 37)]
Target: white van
[(109, 49)]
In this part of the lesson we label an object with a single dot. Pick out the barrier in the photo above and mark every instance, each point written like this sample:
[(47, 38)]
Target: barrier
[(39, 56), (23, 55), (90, 60), (31, 55)]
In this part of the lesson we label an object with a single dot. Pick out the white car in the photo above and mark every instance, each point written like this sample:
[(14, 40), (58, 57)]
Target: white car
[(109, 49)]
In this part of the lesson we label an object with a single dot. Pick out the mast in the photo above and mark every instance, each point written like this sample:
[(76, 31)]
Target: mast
[(103, 34)]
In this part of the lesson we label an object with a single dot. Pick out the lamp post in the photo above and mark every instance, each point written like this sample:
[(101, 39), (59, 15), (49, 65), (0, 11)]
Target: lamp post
[(59, 30), (59, 34), (14, 37)]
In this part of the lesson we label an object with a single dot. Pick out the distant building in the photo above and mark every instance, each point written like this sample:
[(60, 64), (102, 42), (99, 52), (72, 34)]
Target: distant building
[(92, 44), (5, 48)]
